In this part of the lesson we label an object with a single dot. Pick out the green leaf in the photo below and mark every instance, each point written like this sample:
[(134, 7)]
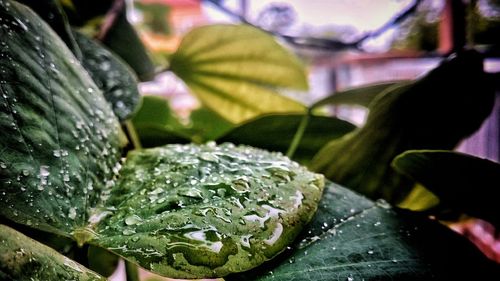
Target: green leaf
[(206, 211), (353, 238), (60, 141), (435, 112), (362, 96), (22, 258), (463, 182), (157, 124), (275, 133), (53, 14), (115, 79), (124, 41), (233, 70)]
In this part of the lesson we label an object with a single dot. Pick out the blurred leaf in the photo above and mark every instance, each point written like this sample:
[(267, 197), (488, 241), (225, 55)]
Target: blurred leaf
[(419, 199), (463, 182), (123, 40), (353, 238), (102, 261), (156, 124), (189, 211), (22, 258), (362, 95), (233, 70), (435, 112), (155, 16), (80, 12), (275, 133), (60, 137), (116, 80), (52, 13)]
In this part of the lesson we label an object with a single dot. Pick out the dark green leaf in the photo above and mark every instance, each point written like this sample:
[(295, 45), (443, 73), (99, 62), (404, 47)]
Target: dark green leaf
[(102, 261), (353, 238), (115, 79), (60, 139), (157, 124), (207, 211), (123, 40), (463, 182), (275, 133), (81, 12), (52, 13), (362, 96), (22, 258), (435, 112), (233, 70)]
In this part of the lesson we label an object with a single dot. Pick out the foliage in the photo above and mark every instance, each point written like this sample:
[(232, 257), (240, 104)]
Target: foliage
[(207, 210)]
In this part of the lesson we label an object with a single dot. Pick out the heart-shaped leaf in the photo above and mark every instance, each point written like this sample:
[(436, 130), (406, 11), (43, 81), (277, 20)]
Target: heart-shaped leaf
[(275, 133), (187, 211), (434, 112), (232, 69), (353, 238), (115, 79), (463, 182), (22, 258), (61, 140)]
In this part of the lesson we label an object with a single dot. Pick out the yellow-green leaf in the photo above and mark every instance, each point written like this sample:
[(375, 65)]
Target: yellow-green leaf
[(235, 69)]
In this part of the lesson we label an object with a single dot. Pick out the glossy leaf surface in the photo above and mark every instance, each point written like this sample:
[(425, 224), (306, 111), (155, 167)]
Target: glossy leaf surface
[(61, 138), (353, 238), (233, 70), (115, 79), (188, 211)]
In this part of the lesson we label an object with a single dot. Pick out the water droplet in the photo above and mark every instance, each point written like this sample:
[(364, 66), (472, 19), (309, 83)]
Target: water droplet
[(350, 278), (57, 153), (72, 213), (3, 165), (128, 231), (133, 219), (370, 252), (394, 260), (377, 223)]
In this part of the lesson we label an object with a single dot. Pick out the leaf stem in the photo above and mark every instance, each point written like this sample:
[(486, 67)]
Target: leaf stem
[(132, 134), (131, 271), (298, 134)]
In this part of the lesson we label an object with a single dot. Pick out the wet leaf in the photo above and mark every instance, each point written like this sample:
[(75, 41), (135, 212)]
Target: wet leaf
[(233, 70), (362, 95), (188, 211), (60, 141), (275, 133), (463, 182), (124, 41), (353, 238), (22, 258), (435, 112), (115, 79)]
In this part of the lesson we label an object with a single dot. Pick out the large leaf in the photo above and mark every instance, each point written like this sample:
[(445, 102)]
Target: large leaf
[(22, 258), (157, 124), (352, 238), (435, 112), (233, 69), (60, 139), (362, 96), (463, 182), (275, 133), (115, 79), (189, 211)]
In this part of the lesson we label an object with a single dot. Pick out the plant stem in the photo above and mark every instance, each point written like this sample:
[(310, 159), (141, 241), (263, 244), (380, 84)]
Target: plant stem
[(131, 271), (298, 134), (132, 134)]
